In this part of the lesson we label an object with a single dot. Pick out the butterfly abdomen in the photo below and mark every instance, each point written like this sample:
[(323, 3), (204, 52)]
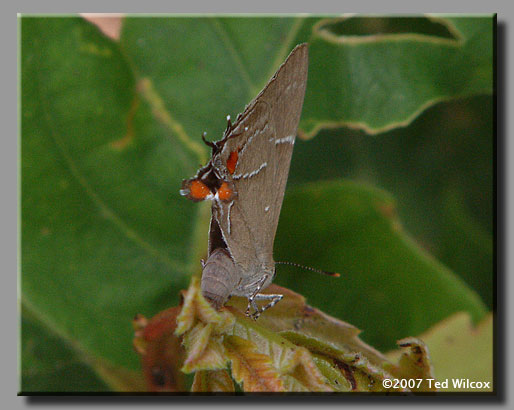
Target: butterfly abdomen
[(219, 278)]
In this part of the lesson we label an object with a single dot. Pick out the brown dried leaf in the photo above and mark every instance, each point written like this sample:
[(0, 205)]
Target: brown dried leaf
[(195, 341), (307, 373), (293, 385), (363, 375), (459, 351), (282, 349), (414, 363), (213, 357), (186, 317), (291, 348), (160, 350), (360, 366), (332, 373), (358, 373), (202, 329), (195, 308), (212, 381), (289, 360), (250, 368), (292, 314)]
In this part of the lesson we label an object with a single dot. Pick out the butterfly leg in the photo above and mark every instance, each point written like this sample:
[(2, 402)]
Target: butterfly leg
[(275, 298), (251, 302)]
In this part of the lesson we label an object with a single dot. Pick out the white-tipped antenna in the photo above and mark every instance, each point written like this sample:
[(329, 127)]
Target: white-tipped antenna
[(324, 272)]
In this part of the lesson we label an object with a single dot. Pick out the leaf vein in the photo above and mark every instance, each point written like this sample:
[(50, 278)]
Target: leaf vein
[(95, 198), (286, 46), (225, 38)]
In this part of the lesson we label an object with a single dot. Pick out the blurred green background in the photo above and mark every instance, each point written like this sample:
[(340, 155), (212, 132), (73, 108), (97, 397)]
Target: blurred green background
[(395, 191)]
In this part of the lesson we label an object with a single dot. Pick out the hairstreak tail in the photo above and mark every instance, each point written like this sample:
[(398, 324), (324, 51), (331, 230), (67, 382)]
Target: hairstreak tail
[(245, 179)]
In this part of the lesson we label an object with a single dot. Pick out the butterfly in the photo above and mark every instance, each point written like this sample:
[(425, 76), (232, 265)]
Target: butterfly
[(245, 179)]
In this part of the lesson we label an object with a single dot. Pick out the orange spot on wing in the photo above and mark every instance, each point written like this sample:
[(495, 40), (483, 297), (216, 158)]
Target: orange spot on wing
[(225, 192), (198, 190), (232, 161)]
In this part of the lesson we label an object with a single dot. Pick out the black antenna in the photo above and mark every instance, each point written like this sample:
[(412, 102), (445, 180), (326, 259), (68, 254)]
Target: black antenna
[(324, 272), (208, 143)]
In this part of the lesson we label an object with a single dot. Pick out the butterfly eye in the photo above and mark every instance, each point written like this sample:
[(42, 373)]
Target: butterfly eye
[(198, 191), (225, 193)]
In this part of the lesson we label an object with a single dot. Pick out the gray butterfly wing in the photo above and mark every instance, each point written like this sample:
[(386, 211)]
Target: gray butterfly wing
[(264, 137)]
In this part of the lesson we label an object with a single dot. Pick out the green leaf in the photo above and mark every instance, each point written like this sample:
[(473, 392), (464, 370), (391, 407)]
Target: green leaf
[(50, 366), (389, 287), (103, 236), (374, 82), (441, 170), (53, 363), (203, 77), (468, 246), (381, 81)]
